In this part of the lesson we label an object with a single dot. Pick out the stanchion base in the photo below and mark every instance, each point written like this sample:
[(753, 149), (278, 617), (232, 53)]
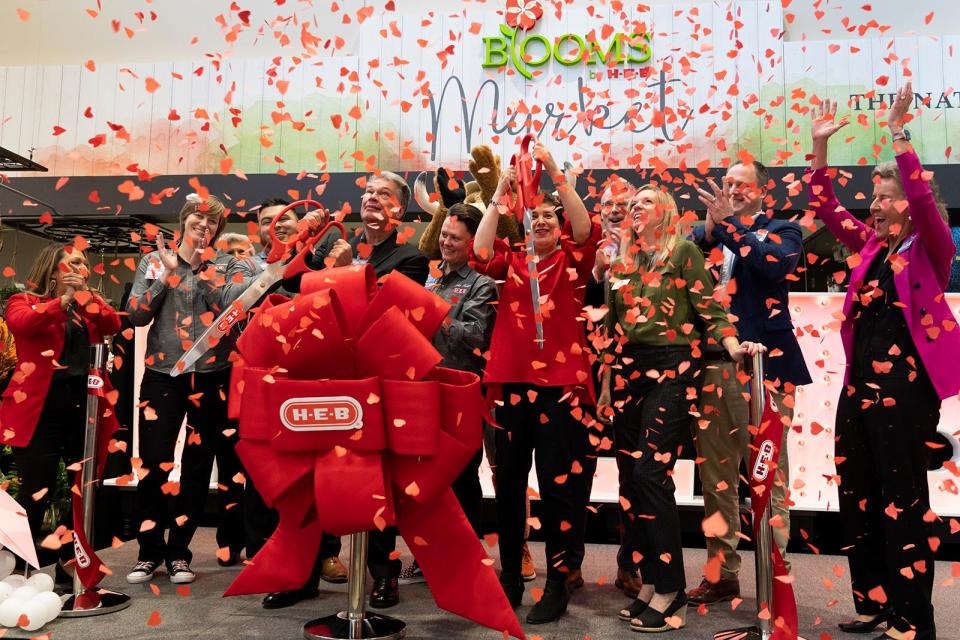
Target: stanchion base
[(744, 633), (94, 603), (337, 627)]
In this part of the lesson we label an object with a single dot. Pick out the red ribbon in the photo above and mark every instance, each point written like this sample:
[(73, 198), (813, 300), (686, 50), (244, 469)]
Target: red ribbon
[(764, 454), (347, 424)]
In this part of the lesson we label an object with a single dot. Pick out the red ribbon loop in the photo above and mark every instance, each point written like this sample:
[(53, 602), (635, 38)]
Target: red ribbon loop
[(347, 424)]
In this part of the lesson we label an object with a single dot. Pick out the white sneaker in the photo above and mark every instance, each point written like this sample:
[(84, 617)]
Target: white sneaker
[(142, 572), (180, 572)]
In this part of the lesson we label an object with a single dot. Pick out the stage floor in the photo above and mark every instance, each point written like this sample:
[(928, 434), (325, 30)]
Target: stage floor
[(822, 585)]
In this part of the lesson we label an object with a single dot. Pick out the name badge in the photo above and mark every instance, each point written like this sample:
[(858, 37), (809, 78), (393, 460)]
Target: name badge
[(155, 270)]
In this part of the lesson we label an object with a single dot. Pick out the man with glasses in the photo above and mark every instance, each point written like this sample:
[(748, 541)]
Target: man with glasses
[(760, 255)]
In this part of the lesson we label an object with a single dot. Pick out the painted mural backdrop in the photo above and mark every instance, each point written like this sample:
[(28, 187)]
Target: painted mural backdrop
[(676, 85)]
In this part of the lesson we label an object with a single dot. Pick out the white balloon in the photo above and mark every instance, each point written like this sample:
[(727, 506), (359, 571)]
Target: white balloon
[(5, 591), (10, 611), (25, 592), (51, 604), (7, 563), (15, 581), (36, 613), (41, 582)]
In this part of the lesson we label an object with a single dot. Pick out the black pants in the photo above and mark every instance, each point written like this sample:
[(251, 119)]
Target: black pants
[(201, 397), (470, 494), (544, 423), (259, 523), (230, 490), (649, 429), (58, 436), (882, 464)]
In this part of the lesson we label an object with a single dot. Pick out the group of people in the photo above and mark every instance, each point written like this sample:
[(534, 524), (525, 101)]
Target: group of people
[(683, 308)]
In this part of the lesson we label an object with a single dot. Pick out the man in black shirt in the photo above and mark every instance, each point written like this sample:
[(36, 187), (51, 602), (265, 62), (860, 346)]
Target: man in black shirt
[(381, 209)]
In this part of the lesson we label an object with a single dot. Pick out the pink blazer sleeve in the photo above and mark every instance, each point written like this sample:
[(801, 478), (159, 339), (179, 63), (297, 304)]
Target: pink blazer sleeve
[(851, 232), (926, 218)]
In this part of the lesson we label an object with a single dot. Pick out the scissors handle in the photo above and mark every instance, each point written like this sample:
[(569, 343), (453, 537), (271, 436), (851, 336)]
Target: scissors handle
[(298, 264), (528, 175), (278, 250)]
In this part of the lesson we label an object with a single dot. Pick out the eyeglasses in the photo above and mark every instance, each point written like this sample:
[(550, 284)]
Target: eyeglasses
[(610, 205)]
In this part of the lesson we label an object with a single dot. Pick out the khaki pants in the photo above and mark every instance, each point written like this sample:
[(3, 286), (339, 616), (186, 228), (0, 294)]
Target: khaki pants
[(722, 440)]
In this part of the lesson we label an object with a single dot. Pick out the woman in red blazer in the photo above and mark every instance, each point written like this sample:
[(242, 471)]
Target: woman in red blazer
[(43, 411), (901, 343)]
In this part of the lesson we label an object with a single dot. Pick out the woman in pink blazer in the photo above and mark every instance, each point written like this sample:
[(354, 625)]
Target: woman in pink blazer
[(900, 340)]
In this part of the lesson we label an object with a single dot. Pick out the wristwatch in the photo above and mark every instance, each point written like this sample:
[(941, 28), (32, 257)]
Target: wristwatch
[(903, 134)]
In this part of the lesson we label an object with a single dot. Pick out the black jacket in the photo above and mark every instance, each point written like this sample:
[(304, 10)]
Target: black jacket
[(388, 256)]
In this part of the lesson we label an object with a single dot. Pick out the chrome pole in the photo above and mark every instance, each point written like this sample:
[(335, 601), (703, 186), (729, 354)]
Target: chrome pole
[(763, 545), (98, 601), (355, 623)]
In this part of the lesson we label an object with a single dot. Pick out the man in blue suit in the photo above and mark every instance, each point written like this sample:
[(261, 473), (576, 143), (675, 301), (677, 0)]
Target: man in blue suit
[(759, 255)]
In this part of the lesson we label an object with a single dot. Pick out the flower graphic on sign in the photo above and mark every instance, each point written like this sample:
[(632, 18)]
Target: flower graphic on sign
[(523, 13)]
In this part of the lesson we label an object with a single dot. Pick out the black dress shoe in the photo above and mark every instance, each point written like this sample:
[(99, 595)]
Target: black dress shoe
[(856, 626), (281, 599), (552, 605), (230, 560), (512, 588), (385, 594)]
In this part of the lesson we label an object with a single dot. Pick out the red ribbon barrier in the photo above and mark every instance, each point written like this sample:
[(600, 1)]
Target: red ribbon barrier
[(347, 424), (764, 454)]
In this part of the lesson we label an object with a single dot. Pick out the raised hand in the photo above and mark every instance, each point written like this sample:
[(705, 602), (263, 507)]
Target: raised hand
[(901, 106), (824, 121), (718, 202), (541, 153), (507, 184), (167, 258)]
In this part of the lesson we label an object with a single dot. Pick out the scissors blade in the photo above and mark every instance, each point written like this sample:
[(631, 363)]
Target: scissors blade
[(534, 276), (232, 315)]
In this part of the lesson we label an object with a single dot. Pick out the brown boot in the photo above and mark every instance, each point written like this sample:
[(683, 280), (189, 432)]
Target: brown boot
[(527, 569), (629, 582), (711, 593)]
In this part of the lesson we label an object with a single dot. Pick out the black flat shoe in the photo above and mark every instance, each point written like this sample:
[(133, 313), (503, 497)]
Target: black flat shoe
[(633, 610), (856, 626), (652, 621), (283, 599), (552, 605), (385, 594)]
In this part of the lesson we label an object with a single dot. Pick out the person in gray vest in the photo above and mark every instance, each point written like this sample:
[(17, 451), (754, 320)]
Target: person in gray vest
[(463, 337)]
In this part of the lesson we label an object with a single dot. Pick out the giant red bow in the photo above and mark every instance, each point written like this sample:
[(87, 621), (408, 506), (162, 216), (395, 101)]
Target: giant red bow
[(346, 424)]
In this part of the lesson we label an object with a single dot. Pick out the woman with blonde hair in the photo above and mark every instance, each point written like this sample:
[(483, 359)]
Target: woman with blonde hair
[(181, 292), (42, 414), (658, 289)]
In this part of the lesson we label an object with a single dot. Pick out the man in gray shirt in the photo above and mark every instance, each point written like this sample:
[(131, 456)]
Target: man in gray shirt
[(463, 337)]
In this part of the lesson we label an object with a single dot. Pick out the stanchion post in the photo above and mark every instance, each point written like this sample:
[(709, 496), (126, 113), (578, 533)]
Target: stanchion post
[(97, 601), (763, 630), (355, 623)]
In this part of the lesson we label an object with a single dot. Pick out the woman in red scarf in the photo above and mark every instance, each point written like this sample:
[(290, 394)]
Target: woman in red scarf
[(43, 411)]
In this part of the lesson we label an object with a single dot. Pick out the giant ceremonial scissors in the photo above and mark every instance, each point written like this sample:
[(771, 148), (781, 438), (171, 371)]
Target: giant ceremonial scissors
[(281, 264), (528, 185)]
